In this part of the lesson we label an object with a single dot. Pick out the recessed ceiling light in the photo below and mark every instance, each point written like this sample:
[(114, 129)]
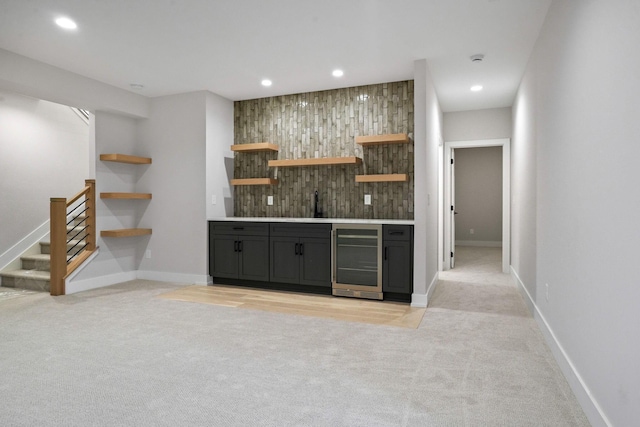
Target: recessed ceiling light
[(66, 23), (476, 88), (136, 86), (266, 82), (338, 73)]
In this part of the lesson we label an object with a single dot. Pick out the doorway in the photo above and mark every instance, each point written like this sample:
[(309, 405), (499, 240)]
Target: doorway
[(449, 223)]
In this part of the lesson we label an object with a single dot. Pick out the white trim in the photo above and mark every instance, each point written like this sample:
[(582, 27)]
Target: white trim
[(99, 282), (79, 114), (482, 243), (505, 143), (422, 300), (162, 276), (587, 401), (72, 287), (15, 251), (419, 300), (440, 204), (523, 291), (81, 267), (432, 285)]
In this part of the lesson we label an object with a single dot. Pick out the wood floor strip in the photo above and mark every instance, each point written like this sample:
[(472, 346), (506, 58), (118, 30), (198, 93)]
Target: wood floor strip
[(347, 309)]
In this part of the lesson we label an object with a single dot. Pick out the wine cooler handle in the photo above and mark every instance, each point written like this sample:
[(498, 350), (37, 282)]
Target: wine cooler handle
[(333, 256)]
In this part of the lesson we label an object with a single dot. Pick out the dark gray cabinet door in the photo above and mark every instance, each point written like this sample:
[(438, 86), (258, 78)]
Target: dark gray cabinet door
[(285, 262), (315, 261), (253, 252), (223, 256), (396, 270)]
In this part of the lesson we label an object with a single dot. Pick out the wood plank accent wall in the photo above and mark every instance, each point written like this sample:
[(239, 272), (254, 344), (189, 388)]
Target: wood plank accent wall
[(325, 124)]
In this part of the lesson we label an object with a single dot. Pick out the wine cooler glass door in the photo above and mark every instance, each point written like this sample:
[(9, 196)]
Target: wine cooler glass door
[(357, 258)]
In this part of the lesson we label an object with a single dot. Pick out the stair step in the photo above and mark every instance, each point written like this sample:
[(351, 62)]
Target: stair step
[(27, 279), (41, 262), (45, 247), (78, 220)]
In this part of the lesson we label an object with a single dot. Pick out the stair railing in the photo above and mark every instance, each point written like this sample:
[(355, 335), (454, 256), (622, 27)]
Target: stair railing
[(73, 234)]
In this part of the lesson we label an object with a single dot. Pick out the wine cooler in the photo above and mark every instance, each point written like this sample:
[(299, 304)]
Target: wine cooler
[(357, 260)]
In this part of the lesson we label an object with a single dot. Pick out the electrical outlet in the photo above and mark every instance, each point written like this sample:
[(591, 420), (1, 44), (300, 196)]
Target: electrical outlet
[(147, 254), (214, 199), (472, 231), (367, 199), (270, 200), (546, 291)]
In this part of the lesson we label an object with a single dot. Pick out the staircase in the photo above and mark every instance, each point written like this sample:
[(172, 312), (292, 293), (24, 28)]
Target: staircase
[(35, 272)]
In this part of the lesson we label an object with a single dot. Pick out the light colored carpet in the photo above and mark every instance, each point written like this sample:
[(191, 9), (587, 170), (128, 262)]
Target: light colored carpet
[(119, 356), (10, 293)]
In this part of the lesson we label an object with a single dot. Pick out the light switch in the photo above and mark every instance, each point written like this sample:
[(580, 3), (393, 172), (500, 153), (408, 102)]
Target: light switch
[(214, 199), (367, 199), (270, 200)]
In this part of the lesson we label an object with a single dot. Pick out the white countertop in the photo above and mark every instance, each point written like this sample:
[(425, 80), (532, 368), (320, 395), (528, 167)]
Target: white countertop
[(318, 220)]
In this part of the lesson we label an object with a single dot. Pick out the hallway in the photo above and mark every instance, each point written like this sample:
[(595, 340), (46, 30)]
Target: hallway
[(491, 349)]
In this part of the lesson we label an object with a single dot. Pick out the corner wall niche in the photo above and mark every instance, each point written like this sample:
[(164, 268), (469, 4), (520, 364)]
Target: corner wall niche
[(132, 160), (310, 127)]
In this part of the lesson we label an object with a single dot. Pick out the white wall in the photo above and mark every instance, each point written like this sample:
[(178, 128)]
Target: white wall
[(427, 138), (43, 153), (174, 135), (478, 195), (183, 135), (493, 123), (524, 184), (187, 137), (219, 119), (577, 109), (28, 77), (118, 257)]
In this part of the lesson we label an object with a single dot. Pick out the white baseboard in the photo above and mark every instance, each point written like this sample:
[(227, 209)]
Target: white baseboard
[(432, 285), (589, 405), (422, 300), (419, 300), (15, 251), (482, 243), (112, 279), (162, 276), (99, 282), (86, 262)]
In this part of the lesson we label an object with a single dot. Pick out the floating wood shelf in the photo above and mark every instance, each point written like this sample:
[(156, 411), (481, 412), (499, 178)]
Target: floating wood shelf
[(393, 177), (124, 158), (326, 161), (125, 232), (259, 146), (395, 138), (125, 195), (254, 181)]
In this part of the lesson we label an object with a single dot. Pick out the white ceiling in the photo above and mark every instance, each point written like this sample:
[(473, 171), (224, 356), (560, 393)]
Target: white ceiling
[(229, 46)]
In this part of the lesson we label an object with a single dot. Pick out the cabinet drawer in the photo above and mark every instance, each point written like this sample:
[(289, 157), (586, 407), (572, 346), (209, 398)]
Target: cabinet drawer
[(239, 228), (300, 230), (397, 232)]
